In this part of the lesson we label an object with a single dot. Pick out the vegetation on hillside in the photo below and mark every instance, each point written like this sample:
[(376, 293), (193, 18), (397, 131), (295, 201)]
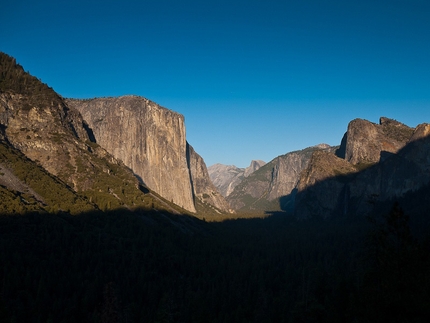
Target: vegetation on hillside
[(13, 79), (56, 195), (397, 130)]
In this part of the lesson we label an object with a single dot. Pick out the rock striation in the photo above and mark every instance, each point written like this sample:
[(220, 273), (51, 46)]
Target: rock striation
[(151, 141), (148, 138)]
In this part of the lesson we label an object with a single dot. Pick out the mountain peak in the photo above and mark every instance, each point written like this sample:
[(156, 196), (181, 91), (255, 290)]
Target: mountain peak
[(253, 166)]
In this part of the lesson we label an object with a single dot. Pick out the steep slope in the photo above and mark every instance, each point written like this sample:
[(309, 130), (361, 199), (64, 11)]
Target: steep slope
[(203, 188), (227, 177), (263, 189), (36, 121), (25, 186)]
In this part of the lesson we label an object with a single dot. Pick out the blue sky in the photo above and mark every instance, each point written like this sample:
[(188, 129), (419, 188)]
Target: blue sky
[(254, 79)]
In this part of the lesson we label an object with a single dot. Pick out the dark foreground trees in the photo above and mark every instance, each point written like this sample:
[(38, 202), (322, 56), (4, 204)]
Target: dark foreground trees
[(142, 267)]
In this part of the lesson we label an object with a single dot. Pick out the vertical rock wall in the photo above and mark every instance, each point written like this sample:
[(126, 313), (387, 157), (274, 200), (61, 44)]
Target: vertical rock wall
[(147, 138)]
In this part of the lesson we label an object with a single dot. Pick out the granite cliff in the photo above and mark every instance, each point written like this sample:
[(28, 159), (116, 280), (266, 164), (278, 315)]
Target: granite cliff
[(366, 142), (147, 138), (111, 150), (151, 141)]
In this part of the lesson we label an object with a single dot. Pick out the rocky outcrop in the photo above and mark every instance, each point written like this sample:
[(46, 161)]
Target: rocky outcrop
[(203, 188), (227, 177), (420, 132), (277, 179), (406, 171), (367, 143), (382, 163), (148, 138)]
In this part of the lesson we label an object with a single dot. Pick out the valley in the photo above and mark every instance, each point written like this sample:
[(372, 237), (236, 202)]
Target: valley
[(108, 214)]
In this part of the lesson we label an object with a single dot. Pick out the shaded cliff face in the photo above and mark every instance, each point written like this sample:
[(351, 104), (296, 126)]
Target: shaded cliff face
[(147, 138), (227, 177), (263, 189), (321, 187), (406, 171), (203, 188), (334, 186)]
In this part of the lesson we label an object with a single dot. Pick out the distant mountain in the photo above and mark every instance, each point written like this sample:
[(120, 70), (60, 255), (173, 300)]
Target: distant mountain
[(375, 164), (263, 189), (227, 177)]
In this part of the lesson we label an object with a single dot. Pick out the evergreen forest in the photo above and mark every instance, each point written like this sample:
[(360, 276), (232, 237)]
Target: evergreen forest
[(152, 266)]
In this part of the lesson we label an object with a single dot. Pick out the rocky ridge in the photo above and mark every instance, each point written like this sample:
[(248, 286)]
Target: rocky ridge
[(264, 188), (381, 163)]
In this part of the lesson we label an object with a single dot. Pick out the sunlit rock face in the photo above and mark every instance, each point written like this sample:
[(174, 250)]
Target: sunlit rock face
[(148, 138), (367, 142), (273, 185), (47, 132)]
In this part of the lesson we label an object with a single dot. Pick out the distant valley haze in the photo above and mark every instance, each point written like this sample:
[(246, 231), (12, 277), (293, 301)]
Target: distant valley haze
[(253, 79)]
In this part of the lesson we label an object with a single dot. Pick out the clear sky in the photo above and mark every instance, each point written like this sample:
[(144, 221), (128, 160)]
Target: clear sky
[(254, 78)]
